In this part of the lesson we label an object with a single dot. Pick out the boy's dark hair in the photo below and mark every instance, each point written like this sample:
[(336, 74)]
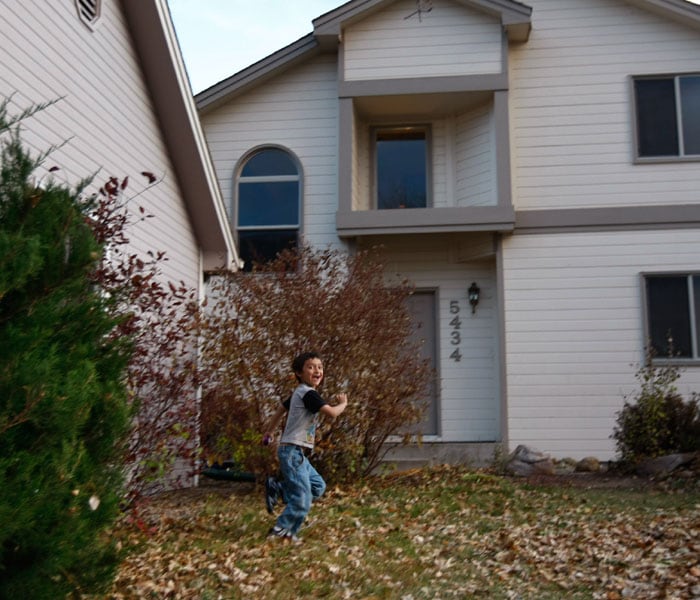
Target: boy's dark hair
[(300, 360)]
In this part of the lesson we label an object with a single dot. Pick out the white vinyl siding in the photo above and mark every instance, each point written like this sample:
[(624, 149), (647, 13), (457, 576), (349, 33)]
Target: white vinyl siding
[(103, 119), (476, 158), (448, 40), (297, 111), (571, 106), (574, 331), (468, 390)]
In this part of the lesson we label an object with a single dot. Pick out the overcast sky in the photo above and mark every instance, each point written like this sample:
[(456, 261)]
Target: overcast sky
[(220, 37)]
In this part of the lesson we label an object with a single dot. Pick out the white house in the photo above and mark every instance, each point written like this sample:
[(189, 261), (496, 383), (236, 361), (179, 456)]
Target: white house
[(124, 106), (547, 152)]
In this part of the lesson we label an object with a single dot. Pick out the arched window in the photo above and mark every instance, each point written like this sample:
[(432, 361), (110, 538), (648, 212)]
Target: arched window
[(268, 205)]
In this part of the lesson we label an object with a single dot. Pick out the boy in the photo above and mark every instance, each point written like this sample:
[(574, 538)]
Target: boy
[(301, 484)]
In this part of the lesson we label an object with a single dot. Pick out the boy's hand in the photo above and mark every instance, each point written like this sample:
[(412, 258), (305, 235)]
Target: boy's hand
[(336, 409)]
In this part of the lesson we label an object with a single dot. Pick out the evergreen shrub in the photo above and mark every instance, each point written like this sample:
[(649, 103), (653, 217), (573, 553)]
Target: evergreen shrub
[(64, 410)]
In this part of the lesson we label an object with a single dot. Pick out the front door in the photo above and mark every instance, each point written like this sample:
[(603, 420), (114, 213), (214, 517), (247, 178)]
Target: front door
[(421, 305)]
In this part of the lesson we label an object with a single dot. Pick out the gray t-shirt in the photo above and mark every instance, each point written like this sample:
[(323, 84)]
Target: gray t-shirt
[(303, 406)]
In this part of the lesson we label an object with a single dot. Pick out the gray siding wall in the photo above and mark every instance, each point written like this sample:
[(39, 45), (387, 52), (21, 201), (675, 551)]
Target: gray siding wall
[(575, 332), (390, 44), (103, 117), (570, 106), (475, 153), (298, 111), (469, 408)]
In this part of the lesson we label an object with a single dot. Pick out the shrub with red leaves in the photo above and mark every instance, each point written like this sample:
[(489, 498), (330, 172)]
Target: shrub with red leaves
[(328, 301)]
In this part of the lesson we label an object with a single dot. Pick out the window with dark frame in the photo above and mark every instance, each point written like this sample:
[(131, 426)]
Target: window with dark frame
[(673, 315), (401, 167), (268, 206), (667, 116)]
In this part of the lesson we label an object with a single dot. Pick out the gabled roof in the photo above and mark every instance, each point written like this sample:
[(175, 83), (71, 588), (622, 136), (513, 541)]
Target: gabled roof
[(164, 71), (680, 11), (515, 18), (258, 72)]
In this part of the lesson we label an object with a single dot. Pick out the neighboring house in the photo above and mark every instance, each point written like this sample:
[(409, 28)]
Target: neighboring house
[(547, 152), (124, 106)]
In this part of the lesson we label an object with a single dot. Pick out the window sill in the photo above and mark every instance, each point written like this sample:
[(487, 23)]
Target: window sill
[(676, 362), (653, 160), (425, 220)]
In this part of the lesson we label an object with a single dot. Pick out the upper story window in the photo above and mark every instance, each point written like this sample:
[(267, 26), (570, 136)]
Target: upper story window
[(268, 205), (673, 315), (401, 167), (667, 116), (89, 11)]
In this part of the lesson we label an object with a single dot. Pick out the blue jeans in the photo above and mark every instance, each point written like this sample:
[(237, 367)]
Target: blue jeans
[(301, 485)]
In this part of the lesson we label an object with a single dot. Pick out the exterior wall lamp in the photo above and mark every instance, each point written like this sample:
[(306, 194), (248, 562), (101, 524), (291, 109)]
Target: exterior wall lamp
[(473, 292)]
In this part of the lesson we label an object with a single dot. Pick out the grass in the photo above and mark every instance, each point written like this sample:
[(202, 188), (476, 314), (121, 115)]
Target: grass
[(436, 533)]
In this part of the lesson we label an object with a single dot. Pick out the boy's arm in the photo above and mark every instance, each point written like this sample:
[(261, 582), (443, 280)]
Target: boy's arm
[(334, 411)]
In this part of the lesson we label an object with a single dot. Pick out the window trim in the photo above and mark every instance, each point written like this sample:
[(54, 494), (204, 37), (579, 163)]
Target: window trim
[(694, 338), (299, 178), (378, 128), (680, 158)]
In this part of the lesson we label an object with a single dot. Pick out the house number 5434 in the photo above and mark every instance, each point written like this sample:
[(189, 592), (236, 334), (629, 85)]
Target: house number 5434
[(455, 334)]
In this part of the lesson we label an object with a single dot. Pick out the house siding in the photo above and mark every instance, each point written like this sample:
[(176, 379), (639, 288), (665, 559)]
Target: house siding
[(298, 111), (571, 102), (574, 331), (49, 54), (469, 408), (391, 44), (475, 153), (550, 353)]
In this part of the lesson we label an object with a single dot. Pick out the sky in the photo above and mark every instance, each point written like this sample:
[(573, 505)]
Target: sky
[(220, 37)]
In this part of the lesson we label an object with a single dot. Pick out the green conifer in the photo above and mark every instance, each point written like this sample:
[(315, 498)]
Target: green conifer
[(63, 400)]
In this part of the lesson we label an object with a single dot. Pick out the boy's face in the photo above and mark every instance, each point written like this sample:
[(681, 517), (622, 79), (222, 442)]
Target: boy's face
[(312, 373)]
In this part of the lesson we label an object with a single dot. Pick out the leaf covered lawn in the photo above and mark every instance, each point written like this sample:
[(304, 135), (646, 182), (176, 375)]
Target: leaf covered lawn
[(443, 532)]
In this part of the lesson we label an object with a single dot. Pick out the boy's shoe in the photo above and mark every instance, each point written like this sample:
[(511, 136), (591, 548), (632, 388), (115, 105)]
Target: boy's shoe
[(280, 532), (271, 493), (293, 539), (277, 532)]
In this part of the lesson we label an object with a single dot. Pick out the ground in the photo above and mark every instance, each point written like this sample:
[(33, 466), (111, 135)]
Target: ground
[(438, 532)]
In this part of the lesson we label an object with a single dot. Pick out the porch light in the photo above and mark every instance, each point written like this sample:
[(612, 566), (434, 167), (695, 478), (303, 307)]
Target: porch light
[(473, 292)]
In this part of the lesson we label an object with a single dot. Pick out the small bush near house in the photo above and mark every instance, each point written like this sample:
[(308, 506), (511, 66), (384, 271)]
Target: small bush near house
[(337, 305), (160, 319), (658, 420), (64, 412)]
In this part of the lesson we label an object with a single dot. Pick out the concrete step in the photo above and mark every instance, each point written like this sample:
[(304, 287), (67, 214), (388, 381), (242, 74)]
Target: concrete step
[(412, 456)]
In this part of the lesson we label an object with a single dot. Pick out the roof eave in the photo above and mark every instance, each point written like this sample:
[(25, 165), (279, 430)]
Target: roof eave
[(515, 16), (164, 72), (258, 72), (679, 11)]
